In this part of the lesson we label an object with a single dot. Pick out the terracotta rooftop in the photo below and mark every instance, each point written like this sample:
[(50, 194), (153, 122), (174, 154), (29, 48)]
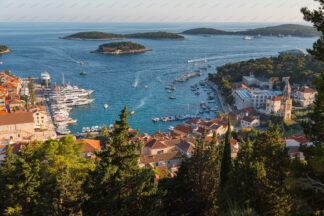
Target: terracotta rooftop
[(90, 145), (160, 157), (307, 90), (301, 138), (248, 119), (16, 118), (183, 128), (276, 98), (155, 144)]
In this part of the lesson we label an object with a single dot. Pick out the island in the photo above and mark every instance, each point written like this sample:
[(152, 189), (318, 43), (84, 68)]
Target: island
[(280, 30), (110, 36), (4, 49), (118, 48)]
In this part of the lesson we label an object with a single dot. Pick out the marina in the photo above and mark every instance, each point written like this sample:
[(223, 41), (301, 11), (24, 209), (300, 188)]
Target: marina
[(62, 99)]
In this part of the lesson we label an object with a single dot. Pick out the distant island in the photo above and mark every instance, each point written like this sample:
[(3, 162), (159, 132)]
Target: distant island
[(109, 36), (121, 48), (280, 30), (4, 49)]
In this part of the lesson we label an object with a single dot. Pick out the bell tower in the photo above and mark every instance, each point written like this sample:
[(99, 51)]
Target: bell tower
[(286, 102)]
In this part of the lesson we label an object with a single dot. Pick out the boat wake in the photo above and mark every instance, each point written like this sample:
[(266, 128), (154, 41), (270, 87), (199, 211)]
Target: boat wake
[(143, 101), (159, 79), (135, 84)]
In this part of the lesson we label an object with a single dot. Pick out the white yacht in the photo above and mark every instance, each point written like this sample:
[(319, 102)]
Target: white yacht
[(247, 38)]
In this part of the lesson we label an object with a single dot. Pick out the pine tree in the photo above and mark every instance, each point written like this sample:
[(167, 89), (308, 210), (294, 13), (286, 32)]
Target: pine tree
[(62, 177), (309, 182), (194, 190), (272, 168), (226, 164), (118, 186), (7, 168)]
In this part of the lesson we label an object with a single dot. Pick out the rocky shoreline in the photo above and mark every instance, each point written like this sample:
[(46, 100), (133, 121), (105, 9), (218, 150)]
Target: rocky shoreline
[(119, 52), (89, 39), (6, 51)]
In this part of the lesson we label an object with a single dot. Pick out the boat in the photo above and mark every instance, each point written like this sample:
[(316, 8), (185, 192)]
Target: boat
[(63, 131), (134, 85), (83, 73), (247, 38), (146, 86), (81, 62), (197, 93), (106, 106), (155, 119), (169, 91), (1, 63), (132, 112), (172, 97)]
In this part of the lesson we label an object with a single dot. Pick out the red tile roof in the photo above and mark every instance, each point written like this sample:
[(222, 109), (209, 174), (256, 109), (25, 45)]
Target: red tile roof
[(16, 118), (155, 144), (248, 119), (276, 98), (90, 145), (301, 138), (183, 128), (160, 157), (307, 90)]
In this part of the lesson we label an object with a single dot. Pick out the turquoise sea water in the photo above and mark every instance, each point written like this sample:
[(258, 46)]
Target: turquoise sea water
[(37, 47)]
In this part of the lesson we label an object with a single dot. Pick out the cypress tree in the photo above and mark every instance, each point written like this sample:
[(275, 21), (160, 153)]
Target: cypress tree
[(226, 164), (118, 186)]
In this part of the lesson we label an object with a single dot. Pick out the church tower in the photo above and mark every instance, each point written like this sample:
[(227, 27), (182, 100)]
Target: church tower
[(286, 102)]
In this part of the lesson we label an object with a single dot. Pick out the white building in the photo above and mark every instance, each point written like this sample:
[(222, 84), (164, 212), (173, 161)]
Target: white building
[(255, 98), (249, 122), (306, 95)]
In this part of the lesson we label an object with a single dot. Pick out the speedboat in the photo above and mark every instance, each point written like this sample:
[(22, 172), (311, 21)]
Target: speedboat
[(172, 97), (63, 131), (106, 106), (83, 73), (247, 38), (155, 119)]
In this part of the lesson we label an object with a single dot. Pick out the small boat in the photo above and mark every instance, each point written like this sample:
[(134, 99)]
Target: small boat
[(134, 85), (169, 91), (83, 73), (172, 97), (81, 62), (197, 93), (106, 106), (1, 63), (247, 38), (132, 112), (146, 86), (155, 119)]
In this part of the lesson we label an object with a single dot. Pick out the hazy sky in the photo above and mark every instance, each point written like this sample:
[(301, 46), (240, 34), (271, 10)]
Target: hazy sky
[(153, 10)]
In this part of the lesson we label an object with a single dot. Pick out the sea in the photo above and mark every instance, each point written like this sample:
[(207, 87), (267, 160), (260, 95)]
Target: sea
[(36, 47)]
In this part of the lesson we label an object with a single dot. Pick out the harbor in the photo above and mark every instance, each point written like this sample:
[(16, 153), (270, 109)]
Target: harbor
[(61, 99)]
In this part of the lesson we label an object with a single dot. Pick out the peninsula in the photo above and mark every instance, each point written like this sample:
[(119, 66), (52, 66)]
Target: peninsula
[(110, 36), (121, 48), (280, 30), (4, 49)]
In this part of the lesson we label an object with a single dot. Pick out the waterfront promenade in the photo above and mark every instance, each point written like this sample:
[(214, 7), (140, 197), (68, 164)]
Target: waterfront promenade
[(225, 107)]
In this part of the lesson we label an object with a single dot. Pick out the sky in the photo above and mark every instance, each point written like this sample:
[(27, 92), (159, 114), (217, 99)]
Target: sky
[(153, 10)]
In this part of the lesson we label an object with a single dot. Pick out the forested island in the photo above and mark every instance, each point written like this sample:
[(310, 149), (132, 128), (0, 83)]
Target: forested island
[(300, 69), (4, 49), (109, 36), (280, 30), (121, 48)]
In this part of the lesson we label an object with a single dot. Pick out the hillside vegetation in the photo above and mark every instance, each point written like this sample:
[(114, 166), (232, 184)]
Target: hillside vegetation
[(300, 69), (109, 36), (286, 29)]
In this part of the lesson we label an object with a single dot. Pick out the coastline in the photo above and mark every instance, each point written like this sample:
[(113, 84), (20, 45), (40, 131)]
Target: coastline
[(6, 51), (122, 52), (121, 38), (89, 39)]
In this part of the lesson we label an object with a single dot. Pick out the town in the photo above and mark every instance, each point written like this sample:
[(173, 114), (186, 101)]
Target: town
[(27, 115)]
